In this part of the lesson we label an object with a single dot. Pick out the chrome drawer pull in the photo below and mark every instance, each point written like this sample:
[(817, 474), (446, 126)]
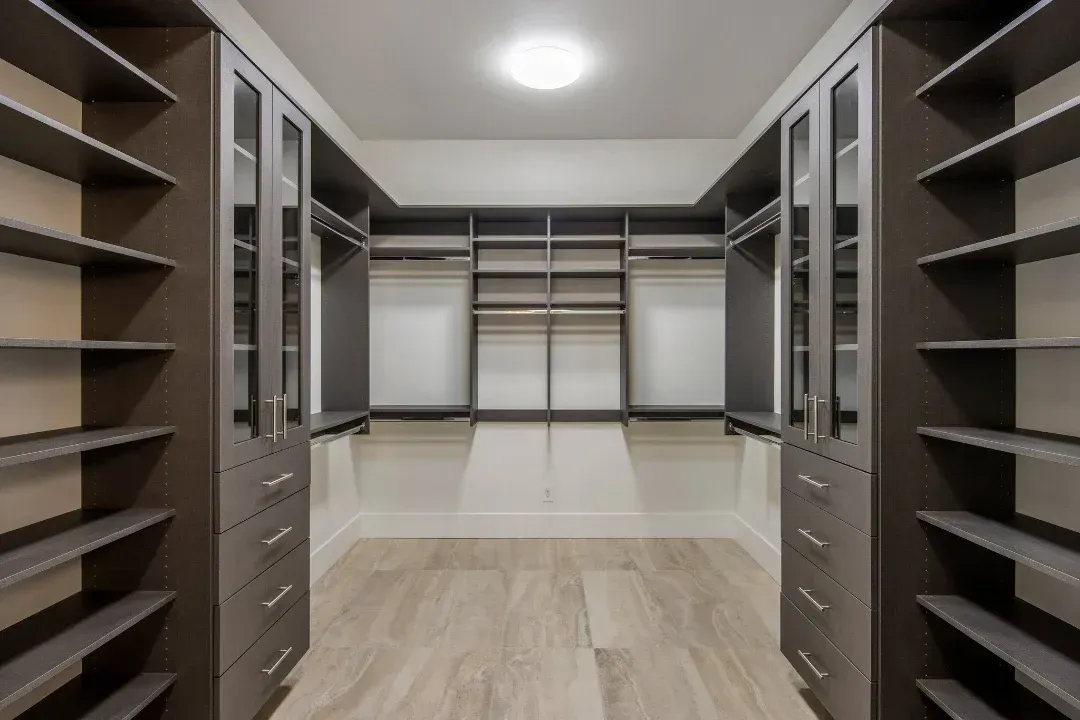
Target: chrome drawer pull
[(814, 483), (285, 591), (286, 531), (817, 606), (283, 478), (806, 659), (285, 654), (806, 534)]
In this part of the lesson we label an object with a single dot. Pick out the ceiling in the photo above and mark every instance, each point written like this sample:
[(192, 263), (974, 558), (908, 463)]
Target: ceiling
[(434, 69)]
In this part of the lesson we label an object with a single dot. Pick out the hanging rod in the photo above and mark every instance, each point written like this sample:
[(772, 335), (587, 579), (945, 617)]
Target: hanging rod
[(754, 436), (537, 311), (755, 230), (337, 232)]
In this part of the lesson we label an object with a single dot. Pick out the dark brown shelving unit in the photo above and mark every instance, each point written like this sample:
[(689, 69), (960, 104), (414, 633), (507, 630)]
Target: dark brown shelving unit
[(75, 61), (19, 449), (42, 546), (86, 701), (1041, 243), (40, 243), (957, 701), (1061, 449), (41, 647), (103, 345), (41, 142)]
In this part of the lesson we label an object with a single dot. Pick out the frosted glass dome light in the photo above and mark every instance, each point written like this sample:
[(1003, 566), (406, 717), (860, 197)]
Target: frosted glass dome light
[(545, 68)]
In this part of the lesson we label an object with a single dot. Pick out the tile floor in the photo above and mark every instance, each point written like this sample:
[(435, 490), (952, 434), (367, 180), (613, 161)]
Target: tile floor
[(544, 630)]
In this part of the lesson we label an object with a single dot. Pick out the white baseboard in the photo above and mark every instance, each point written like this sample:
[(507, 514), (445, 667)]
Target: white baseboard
[(324, 556), (547, 525), (758, 547)]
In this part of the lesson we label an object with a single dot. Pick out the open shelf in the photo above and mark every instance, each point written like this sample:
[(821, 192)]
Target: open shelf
[(1005, 344), (510, 274), (589, 305), (587, 243), (1033, 47), (44, 43), (39, 547), (421, 412), (107, 345), (1030, 656), (1019, 542), (19, 449), (36, 140), (765, 219), (768, 421), (385, 252), (676, 412), (509, 305), (957, 701), (686, 252), (1041, 143), (324, 217), (1045, 242), (329, 419), (83, 699), (41, 647), (1061, 449), (41, 243), (511, 243), (587, 272)]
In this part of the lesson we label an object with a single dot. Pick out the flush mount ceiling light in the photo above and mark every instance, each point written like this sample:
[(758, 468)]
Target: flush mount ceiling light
[(545, 68)]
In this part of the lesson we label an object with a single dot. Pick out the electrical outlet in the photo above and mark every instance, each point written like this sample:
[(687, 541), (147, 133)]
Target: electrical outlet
[(549, 494)]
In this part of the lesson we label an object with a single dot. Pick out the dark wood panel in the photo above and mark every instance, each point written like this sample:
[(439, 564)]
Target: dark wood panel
[(140, 13)]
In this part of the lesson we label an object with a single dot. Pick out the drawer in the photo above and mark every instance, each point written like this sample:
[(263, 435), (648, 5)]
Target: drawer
[(843, 552), (843, 690), (249, 489), (251, 547), (846, 621), (242, 691), (851, 494), (244, 617)]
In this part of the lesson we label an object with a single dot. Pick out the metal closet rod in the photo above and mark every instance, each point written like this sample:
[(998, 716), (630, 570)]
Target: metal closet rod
[(362, 242), (764, 438)]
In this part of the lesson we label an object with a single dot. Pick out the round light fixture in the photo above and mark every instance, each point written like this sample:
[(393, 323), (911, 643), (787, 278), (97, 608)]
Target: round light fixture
[(545, 68)]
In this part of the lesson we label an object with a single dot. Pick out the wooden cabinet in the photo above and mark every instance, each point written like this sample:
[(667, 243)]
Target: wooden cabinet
[(827, 231)]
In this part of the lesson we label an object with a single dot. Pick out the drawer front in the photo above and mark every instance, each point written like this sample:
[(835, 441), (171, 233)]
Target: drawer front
[(846, 621), (844, 692), (242, 691), (251, 547), (262, 602), (851, 494), (245, 491), (843, 552)]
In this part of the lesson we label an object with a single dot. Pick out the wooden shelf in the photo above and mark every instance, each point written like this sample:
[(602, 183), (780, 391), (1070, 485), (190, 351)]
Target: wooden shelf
[(509, 305), (589, 305), (510, 274), (44, 43), (39, 141), (332, 418), (1046, 242), (1033, 47), (686, 252), (421, 412), (41, 243), (957, 701), (42, 546), (19, 449), (1030, 656), (1061, 449), (1041, 143), (588, 273), (511, 243), (676, 412), (41, 647), (587, 243), (767, 421), (106, 345), (385, 252), (1005, 344), (1019, 542), (83, 699), (323, 216)]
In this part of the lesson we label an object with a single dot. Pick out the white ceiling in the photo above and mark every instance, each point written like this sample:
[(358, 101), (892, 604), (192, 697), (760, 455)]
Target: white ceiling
[(433, 69)]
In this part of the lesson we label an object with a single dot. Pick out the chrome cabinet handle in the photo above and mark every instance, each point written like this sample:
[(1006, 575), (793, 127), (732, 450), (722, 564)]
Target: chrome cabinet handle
[(284, 654), (272, 437), (806, 416), (814, 483), (806, 534), (285, 591), (817, 606), (284, 416), (283, 478), (806, 659), (817, 421), (286, 531)]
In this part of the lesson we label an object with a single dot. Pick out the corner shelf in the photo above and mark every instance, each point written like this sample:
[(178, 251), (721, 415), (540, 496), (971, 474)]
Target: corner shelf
[(1046, 242), (1061, 449), (768, 421), (91, 702), (44, 645), (19, 449), (66, 537), (1041, 143), (1012, 541), (105, 345), (1033, 47), (1030, 656), (1004, 344), (39, 40), (41, 243), (957, 701), (36, 140)]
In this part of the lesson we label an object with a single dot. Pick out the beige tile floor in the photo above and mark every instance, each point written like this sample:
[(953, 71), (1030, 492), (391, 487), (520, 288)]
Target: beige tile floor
[(544, 630)]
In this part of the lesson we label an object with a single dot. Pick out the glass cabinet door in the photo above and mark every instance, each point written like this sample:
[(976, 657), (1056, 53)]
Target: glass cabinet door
[(292, 267), (844, 403), (799, 235), (244, 377)]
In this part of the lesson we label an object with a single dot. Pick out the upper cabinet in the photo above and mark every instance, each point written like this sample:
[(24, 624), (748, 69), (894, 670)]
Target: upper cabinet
[(827, 226), (265, 210)]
